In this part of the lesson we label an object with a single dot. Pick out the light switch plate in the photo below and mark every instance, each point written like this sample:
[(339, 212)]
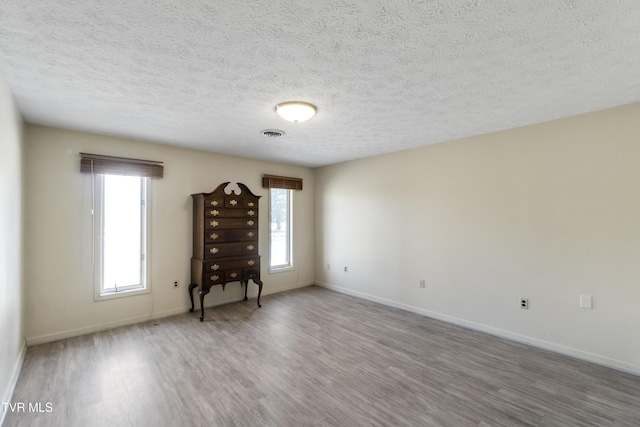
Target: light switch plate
[(586, 301)]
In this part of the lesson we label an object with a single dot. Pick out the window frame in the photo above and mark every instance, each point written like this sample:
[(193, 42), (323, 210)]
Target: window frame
[(290, 265), (98, 244)]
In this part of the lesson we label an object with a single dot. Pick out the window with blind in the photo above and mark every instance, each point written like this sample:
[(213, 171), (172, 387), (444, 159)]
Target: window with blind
[(120, 212), (281, 191)]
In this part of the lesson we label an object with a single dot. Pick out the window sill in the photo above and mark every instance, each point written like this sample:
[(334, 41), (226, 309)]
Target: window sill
[(277, 270), (121, 294)]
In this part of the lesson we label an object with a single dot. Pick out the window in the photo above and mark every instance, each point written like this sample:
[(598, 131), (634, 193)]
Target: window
[(280, 235), (280, 219), (120, 215), (120, 256)]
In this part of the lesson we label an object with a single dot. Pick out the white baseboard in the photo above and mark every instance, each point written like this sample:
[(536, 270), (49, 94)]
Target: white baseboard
[(270, 290), (15, 374), (70, 333), (42, 339), (535, 342)]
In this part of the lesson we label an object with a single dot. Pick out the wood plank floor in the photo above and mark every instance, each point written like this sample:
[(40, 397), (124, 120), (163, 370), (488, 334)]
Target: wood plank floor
[(313, 357)]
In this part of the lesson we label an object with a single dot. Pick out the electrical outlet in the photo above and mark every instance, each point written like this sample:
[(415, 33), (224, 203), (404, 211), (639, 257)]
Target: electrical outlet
[(524, 304), (423, 283), (175, 284), (328, 266), (346, 269)]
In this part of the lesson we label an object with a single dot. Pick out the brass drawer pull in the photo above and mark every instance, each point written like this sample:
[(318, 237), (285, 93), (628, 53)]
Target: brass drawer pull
[(250, 234), (250, 247), (233, 202), (234, 275), (215, 213), (215, 277), (215, 267), (213, 236), (214, 223), (213, 250), (251, 262), (250, 204), (251, 213), (214, 203), (250, 223)]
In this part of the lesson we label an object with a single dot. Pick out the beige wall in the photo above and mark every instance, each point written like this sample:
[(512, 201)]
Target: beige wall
[(546, 212), (12, 341), (59, 273)]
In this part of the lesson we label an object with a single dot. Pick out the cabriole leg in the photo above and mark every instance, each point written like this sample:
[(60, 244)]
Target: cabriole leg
[(259, 283), (192, 286), (202, 294)]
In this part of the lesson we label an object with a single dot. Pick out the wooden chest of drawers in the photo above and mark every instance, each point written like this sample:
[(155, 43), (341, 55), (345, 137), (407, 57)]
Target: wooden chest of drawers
[(225, 241)]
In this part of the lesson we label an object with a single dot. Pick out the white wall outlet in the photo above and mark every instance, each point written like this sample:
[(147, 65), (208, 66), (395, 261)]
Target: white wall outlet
[(346, 269), (423, 283), (586, 301), (524, 304), (175, 284)]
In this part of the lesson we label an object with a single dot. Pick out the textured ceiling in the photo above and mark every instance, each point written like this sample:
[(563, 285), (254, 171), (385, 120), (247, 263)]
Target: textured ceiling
[(385, 75)]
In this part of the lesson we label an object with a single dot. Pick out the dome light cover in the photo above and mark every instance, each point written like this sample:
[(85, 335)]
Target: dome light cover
[(296, 111)]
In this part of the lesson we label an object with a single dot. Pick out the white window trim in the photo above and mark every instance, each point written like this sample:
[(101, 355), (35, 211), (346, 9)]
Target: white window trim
[(98, 215), (291, 265)]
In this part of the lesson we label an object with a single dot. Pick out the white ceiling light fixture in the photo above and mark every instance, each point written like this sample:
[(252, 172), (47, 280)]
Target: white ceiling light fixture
[(296, 111)]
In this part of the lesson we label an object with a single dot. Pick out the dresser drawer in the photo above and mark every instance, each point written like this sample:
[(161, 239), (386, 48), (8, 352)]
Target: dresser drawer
[(238, 275), (214, 202), (226, 213), (215, 236), (232, 275), (214, 278), (230, 249), (233, 202), (222, 223), (250, 273), (211, 266)]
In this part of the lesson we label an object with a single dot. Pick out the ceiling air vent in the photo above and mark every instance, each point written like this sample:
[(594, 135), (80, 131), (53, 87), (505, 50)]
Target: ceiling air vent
[(272, 133)]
